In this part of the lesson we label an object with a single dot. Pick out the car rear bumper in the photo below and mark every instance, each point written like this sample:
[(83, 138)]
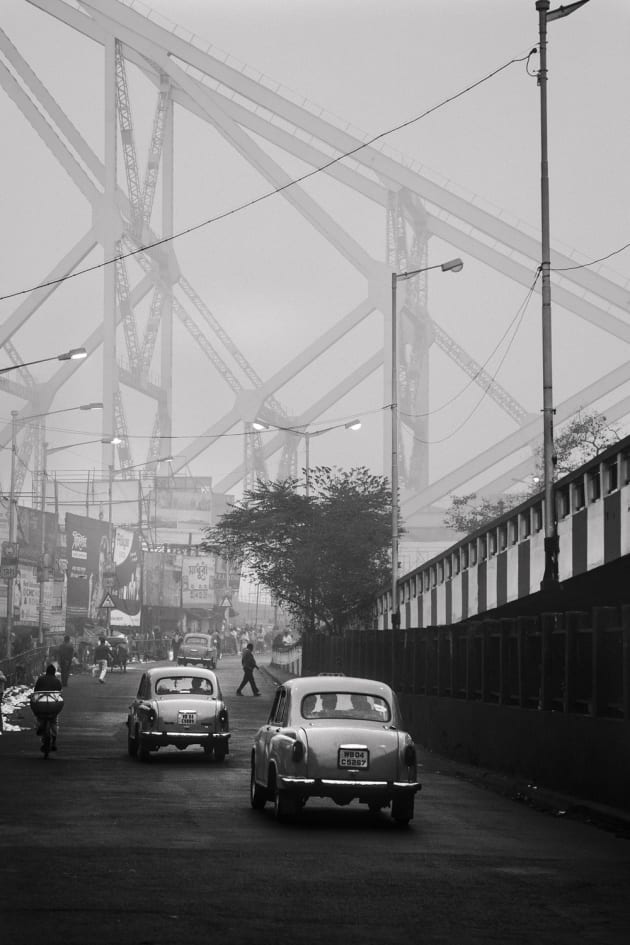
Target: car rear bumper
[(160, 739), (208, 662), (333, 787)]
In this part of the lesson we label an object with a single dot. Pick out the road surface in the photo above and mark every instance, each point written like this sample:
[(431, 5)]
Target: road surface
[(98, 848)]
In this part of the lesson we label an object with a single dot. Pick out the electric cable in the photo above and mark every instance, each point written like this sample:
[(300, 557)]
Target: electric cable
[(483, 366), (494, 376), (270, 193), (593, 262)]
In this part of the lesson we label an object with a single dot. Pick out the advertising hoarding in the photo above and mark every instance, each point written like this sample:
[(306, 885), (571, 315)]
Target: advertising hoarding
[(127, 591), (198, 582), (162, 581), (88, 554)]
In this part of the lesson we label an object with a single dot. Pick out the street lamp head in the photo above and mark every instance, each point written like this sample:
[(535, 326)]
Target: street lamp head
[(93, 406), (353, 425), (74, 354), (453, 265), (112, 441), (258, 425)]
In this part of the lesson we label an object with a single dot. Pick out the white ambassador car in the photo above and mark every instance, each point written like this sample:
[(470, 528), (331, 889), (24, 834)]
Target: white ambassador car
[(338, 737), (181, 707)]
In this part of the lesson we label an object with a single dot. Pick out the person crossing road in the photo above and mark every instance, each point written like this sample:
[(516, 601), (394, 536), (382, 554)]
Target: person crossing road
[(249, 664)]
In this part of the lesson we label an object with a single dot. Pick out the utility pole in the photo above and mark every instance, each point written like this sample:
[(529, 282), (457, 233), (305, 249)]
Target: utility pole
[(550, 576)]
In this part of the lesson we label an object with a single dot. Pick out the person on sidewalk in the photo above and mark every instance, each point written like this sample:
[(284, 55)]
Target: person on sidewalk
[(249, 664), (65, 653), (101, 659)]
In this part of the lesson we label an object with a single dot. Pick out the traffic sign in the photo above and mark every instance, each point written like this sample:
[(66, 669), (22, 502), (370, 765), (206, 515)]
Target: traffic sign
[(226, 602), (107, 603)]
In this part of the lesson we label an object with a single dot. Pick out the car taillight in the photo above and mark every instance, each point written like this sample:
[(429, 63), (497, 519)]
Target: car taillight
[(297, 751), (409, 755), (148, 711), (223, 719)]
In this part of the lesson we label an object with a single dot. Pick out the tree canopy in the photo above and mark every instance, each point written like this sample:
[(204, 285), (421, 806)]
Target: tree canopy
[(321, 555), (583, 437)]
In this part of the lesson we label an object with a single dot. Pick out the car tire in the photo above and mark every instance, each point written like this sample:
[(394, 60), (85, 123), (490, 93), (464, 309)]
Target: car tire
[(143, 752), (257, 794), (132, 743), (402, 810), (285, 804), (220, 751)]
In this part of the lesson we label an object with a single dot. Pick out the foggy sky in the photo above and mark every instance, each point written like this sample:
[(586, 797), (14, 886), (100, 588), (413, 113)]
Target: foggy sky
[(267, 276)]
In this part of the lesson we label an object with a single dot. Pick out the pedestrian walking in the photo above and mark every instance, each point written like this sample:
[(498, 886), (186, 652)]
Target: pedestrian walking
[(101, 659), (249, 664), (65, 654)]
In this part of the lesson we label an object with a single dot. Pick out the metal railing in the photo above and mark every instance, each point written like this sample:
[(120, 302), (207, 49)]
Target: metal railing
[(573, 663)]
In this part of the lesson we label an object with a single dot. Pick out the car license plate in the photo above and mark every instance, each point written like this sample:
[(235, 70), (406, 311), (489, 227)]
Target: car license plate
[(186, 718), (353, 758)]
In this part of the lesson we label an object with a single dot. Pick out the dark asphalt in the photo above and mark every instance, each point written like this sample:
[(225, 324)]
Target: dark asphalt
[(97, 848)]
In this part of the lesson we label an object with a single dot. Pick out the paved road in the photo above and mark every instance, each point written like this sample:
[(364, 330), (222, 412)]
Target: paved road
[(96, 848)]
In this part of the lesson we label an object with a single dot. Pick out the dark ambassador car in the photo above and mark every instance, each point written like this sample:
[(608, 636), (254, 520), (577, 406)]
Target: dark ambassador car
[(336, 737), (197, 649), (181, 707)]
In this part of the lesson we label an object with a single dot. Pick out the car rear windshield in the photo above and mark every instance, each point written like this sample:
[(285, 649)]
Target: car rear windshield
[(197, 641), (183, 685), (345, 705)]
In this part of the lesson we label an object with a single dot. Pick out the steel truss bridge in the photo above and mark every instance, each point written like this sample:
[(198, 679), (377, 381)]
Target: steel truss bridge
[(244, 111)]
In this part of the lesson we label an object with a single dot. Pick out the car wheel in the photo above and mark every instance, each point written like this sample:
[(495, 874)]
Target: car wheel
[(402, 810), (132, 744), (143, 752), (375, 807), (257, 794), (285, 804), (220, 751), (208, 749)]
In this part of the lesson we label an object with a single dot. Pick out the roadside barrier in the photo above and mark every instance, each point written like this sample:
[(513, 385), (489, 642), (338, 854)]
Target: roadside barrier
[(288, 658), (25, 667)]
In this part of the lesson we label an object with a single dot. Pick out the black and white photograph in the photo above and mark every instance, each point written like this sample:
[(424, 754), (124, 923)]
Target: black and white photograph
[(314, 472)]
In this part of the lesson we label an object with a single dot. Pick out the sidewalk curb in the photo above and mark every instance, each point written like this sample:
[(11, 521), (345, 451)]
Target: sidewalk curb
[(536, 796)]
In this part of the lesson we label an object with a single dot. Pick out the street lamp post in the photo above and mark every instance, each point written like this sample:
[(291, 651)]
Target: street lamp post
[(308, 435), (550, 576), (453, 265), (12, 502)]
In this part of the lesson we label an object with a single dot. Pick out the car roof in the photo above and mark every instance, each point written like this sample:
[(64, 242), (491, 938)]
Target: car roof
[(177, 671), (303, 684)]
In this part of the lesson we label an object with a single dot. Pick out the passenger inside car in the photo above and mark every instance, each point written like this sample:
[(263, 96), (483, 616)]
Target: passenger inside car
[(328, 706), (183, 684), (362, 707), (202, 686), (308, 706)]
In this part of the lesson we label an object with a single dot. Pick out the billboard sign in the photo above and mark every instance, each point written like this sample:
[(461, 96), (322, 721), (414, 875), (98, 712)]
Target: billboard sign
[(162, 579), (127, 590), (88, 555), (198, 582)]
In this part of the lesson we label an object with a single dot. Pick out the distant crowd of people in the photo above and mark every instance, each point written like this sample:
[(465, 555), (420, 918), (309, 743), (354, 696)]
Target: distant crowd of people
[(81, 652)]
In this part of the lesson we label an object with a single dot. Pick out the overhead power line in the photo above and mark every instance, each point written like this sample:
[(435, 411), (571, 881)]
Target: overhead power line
[(270, 193)]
